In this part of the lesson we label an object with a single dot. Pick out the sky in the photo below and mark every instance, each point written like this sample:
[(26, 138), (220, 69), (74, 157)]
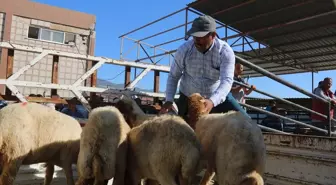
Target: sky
[(115, 18)]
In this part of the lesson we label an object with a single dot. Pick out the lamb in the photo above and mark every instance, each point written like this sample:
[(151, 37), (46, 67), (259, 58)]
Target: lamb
[(32, 133), (160, 147), (103, 147), (233, 147)]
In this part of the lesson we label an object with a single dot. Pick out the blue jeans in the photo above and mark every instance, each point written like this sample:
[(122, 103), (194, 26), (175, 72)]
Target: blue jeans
[(229, 104)]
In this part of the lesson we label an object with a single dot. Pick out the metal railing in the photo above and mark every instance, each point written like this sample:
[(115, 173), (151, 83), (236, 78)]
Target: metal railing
[(278, 79)]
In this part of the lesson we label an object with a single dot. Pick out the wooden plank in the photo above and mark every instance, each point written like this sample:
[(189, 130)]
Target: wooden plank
[(127, 75), (54, 76), (9, 70)]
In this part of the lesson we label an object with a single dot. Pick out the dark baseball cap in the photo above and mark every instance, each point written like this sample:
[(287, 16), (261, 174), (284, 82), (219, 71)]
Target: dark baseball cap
[(201, 26)]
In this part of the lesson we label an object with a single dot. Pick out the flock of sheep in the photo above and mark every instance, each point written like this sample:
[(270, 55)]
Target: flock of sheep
[(123, 143)]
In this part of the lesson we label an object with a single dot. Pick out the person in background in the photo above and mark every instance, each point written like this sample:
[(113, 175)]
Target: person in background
[(321, 107), (239, 92), (318, 86), (72, 109), (271, 104), (203, 65)]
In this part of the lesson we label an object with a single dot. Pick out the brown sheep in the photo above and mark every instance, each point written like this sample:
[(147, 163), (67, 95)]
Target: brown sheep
[(232, 145), (160, 147), (103, 147)]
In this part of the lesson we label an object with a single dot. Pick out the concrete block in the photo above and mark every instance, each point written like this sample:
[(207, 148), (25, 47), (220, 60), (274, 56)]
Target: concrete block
[(61, 81), (34, 21), (19, 24), (61, 75), (68, 70)]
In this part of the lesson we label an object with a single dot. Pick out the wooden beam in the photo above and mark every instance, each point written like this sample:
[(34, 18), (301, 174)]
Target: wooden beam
[(10, 63), (54, 78), (35, 99), (156, 81), (127, 75)]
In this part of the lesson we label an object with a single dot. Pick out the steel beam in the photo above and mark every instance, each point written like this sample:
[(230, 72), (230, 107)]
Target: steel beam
[(234, 7), (282, 117), (162, 18), (271, 12), (51, 86), (302, 57), (89, 72), (26, 67), (299, 50), (276, 78), (162, 68), (280, 25), (138, 78)]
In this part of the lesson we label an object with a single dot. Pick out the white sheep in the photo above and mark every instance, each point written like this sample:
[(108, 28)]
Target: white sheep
[(232, 145), (31, 133), (103, 147), (160, 147)]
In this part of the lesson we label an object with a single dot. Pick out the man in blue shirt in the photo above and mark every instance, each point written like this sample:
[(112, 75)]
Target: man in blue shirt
[(204, 65)]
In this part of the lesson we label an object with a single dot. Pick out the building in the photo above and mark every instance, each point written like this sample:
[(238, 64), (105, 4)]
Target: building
[(34, 24)]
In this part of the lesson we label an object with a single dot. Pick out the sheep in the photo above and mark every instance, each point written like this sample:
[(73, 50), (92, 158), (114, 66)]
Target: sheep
[(31, 133), (233, 147), (103, 147), (160, 148)]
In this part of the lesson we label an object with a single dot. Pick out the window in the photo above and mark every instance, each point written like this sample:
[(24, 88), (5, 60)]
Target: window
[(51, 35), (33, 33), (69, 37)]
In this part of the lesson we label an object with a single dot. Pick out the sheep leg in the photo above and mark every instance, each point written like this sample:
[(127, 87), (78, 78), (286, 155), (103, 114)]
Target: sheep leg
[(49, 174), (68, 173), (9, 172), (151, 182), (82, 181), (166, 179), (208, 175), (121, 163)]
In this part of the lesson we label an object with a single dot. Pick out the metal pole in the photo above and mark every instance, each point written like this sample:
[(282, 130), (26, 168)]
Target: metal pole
[(158, 55), (276, 78), (154, 54), (186, 24), (281, 99), (329, 119), (165, 31), (282, 117), (312, 81), (121, 47), (164, 17)]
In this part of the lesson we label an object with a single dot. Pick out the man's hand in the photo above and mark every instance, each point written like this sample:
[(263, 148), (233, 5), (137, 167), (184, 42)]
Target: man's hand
[(208, 105), (166, 107), (253, 87)]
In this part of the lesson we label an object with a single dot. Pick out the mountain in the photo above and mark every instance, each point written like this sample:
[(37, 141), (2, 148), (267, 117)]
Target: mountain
[(104, 84)]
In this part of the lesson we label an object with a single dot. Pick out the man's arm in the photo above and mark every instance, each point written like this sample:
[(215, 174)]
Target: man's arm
[(226, 76), (175, 74)]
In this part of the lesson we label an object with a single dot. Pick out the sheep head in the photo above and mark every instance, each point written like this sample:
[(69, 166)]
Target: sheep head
[(130, 110), (196, 108)]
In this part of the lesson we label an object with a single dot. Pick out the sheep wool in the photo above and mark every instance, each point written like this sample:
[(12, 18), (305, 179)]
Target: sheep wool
[(32, 133), (233, 146), (160, 148), (103, 146)]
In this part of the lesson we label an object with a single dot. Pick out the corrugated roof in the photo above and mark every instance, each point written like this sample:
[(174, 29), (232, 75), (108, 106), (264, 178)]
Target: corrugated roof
[(300, 34)]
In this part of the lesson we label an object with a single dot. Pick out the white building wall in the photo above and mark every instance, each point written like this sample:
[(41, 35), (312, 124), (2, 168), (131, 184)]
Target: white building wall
[(68, 70)]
